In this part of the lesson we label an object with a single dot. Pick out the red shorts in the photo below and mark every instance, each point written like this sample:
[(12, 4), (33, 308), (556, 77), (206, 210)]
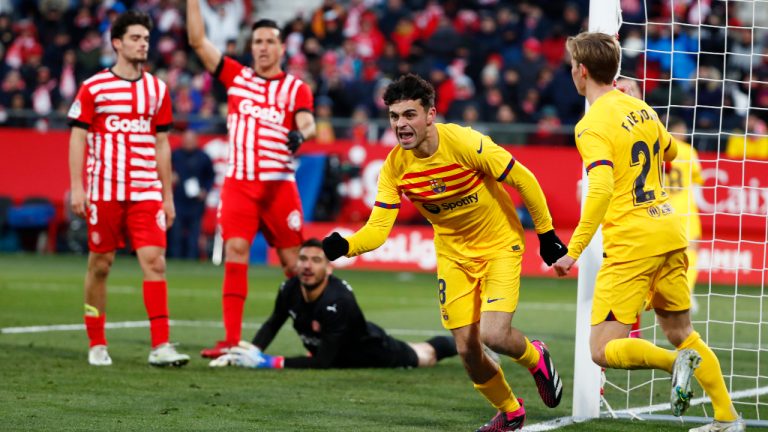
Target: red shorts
[(108, 222), (272, 206)]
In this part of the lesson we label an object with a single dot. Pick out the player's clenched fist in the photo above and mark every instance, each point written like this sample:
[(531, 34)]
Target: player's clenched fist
[(295, 139), (550, 247), (335, 246)]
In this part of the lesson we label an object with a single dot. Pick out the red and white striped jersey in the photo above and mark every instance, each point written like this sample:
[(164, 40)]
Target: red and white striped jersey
[(261, 112), (122, 118)]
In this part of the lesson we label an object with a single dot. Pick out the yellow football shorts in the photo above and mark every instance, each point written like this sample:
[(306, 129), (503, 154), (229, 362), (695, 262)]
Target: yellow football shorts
[(624, 289), (467, 287)]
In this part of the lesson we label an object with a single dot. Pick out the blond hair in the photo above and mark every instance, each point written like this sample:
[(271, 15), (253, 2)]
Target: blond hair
[(598, 52)]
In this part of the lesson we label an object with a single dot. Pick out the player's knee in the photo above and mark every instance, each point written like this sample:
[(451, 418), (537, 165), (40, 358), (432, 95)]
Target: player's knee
[(237, 251), (598, 355), (99, 267), (289, 270), (154, 264), (676, 336), (470, 352)]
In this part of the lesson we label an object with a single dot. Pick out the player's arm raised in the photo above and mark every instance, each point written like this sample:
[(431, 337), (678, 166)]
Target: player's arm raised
[(76, 155), (209, 55)]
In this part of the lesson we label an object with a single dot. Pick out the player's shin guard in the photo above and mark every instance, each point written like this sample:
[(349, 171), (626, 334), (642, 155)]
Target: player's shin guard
[(156, 304), (710, 377), (235, 290), (94, 326), (445, 346), (498, 393), (631, 353), (530, 357)]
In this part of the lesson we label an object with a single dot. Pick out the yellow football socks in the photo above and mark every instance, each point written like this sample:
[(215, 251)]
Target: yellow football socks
[(530, 357), (498, 393), (710, 377), (632, 353)]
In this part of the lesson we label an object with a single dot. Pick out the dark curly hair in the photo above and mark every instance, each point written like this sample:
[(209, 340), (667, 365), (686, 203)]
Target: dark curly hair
[(127, 19), (410, 87), (267, 23), (312, 242)]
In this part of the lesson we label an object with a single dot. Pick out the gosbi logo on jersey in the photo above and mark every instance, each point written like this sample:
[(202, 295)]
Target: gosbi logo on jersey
[(437, 185), (115, 124), (270, 114)]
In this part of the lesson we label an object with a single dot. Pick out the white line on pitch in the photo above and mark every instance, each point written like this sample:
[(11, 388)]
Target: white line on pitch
[(549, 425), (698, 401), (176, 323), (254, 293)]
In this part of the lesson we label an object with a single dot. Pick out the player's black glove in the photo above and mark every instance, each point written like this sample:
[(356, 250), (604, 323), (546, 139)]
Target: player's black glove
[(335, 246), (551, 248), (295, 139)]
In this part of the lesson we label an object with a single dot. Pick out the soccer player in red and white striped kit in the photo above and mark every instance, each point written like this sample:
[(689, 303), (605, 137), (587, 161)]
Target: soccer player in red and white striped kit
[(269, 116), (122, 116)]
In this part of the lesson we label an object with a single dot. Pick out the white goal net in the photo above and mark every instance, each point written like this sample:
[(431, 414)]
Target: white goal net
[(703, 66)]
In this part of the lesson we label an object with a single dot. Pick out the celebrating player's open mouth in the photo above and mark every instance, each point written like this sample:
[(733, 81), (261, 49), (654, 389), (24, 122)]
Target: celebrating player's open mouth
[(406, 135)]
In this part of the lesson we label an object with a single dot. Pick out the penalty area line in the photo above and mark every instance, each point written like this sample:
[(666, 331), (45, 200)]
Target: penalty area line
[(176, 323)]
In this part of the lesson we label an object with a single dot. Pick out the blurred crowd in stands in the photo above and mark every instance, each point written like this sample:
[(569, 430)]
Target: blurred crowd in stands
[(491, 61)]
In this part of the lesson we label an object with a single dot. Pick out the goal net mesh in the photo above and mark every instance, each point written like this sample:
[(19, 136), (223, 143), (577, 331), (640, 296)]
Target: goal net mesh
[(703, 66)]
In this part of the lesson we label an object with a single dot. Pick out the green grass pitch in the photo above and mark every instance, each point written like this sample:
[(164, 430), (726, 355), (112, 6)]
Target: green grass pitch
[(46, 383)]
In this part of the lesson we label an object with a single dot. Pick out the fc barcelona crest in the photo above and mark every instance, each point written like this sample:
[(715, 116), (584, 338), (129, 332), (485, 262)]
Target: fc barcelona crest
[(438, 185)]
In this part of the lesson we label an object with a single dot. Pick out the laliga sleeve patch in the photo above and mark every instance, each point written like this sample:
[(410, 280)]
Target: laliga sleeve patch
[(75, 110), (294, 220)]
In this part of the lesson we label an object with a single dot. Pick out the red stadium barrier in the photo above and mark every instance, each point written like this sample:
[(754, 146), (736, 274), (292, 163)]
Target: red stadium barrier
[(411, 248), (36, 164)]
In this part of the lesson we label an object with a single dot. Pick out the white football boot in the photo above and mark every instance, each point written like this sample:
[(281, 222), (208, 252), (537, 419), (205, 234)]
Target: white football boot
[(737, 425), (166, 355), (682, 371), (99, 356)]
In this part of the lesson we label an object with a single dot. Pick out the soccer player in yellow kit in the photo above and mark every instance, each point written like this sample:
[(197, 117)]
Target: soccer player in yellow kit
[(453, 175), (683, 176), (623, 146)]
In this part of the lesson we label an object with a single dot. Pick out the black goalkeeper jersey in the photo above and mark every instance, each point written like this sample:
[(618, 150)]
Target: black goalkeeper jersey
[(333, 329)]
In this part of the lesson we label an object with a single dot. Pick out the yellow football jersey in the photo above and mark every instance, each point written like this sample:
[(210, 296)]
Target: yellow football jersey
[(679, 182), (624, 133), (458, 189)]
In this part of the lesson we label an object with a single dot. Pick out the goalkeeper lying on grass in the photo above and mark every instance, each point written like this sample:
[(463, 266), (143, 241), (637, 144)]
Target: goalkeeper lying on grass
[(331, 326)]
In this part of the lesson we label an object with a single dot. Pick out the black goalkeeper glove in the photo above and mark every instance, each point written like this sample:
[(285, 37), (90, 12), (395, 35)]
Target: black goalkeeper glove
[(335, 246), (295, 139), (551, 248)]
